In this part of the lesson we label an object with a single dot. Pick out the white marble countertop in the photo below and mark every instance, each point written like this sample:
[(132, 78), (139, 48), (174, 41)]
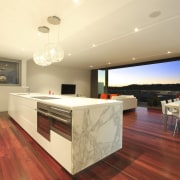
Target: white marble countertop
[(71, 102), (96, 128)]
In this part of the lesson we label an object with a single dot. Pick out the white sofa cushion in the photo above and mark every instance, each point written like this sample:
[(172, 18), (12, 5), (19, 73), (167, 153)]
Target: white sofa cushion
[(129, 101)]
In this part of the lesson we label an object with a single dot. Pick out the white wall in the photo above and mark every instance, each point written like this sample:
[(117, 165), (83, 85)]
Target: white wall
[(5, 90), (42, 79)]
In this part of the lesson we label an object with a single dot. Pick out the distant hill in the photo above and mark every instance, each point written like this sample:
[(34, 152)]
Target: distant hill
[(159, 87)]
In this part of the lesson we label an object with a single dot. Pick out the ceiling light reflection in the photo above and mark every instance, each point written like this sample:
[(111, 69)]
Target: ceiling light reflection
[(76, 1), (136, 29)]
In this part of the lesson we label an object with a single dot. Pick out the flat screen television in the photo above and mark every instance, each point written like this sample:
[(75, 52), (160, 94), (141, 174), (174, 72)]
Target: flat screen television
[(68, 88)]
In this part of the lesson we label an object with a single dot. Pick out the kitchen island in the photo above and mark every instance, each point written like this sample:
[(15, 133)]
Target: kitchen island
[(95, 127)]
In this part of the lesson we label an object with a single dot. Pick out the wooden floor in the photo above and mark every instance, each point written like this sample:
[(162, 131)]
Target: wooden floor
[(148, 153)]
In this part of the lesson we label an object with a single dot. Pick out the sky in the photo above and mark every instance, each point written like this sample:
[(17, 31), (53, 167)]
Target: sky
[(160, 73)]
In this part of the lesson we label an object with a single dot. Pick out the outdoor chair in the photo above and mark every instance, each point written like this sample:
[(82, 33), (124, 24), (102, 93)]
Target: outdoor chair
[(168, 113)]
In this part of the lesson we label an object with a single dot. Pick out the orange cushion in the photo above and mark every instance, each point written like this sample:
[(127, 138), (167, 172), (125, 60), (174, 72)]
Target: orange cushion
[(103, 96)]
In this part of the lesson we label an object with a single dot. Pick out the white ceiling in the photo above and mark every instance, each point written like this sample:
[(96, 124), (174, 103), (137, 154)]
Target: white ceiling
[(109, 24)]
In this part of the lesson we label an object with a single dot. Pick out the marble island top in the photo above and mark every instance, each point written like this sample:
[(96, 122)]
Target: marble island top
[(95, 130), (72, 102)]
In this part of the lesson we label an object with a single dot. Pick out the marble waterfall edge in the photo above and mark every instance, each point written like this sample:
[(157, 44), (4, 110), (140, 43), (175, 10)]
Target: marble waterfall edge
[(97, 133)]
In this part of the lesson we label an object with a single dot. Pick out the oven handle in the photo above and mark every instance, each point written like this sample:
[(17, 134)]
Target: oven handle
[(60, 119), (55, 117), (42, 112), (61, 110)]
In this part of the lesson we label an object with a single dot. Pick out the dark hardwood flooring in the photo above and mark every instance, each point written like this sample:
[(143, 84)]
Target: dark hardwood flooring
[(148, 153)]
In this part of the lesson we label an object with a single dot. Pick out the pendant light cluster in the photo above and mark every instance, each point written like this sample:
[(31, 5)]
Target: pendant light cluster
[(52, 52)]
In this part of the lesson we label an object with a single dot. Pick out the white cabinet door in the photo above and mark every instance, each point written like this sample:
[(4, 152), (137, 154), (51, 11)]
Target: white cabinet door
[(61, 150), (23, 111)]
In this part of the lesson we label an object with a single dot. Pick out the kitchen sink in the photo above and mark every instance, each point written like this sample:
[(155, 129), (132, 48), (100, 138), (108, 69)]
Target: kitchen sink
[(45, 97)]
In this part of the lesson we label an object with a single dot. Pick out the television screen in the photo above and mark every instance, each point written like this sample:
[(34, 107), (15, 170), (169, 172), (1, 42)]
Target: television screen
[(68, 88)]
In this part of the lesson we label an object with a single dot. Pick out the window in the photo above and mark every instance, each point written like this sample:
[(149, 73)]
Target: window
[(10, 72), (101, 81), (146, 74)]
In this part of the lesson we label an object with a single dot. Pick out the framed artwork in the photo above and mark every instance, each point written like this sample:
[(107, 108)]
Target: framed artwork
[(10, 72)]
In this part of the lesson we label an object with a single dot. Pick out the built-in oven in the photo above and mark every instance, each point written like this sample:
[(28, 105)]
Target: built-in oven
[(54, 118), (61, 121)]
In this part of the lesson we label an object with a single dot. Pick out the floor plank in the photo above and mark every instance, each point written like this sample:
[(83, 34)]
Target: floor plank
[(148, 153)]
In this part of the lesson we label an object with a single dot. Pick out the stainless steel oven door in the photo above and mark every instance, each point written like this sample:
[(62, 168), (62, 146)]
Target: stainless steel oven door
[(43, 121), (61, 121)]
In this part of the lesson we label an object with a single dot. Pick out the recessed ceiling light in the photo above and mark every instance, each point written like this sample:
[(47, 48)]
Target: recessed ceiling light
[(91, 66), (155, 14), (136, 29), (69, 54), (75, 1), (93, 45), (169, 52), (109, 63)]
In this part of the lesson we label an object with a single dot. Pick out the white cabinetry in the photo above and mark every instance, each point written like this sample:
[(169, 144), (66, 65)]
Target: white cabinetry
[(61, 150), (23, 111), (96, 129)]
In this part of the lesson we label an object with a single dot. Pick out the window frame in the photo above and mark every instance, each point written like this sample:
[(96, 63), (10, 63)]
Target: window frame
[(17, 69)]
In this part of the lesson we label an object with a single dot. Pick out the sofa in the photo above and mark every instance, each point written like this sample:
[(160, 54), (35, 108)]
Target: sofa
[(129, 101)]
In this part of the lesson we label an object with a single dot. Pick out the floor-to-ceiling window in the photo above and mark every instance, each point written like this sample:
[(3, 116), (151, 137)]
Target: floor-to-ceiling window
[(160, 78), (147, 81)]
